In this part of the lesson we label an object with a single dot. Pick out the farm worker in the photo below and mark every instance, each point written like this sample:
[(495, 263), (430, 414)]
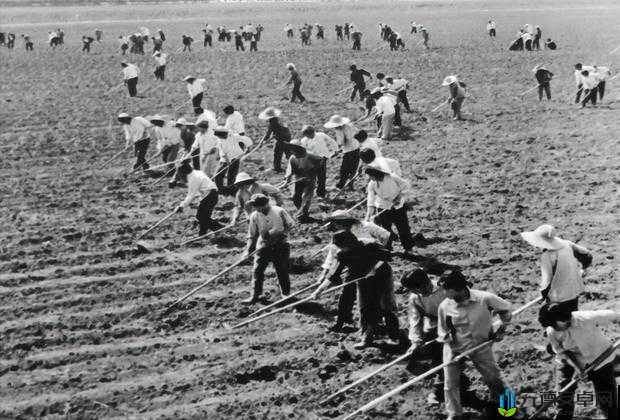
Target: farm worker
[(136, 131), (187, 43), (400, 87), (464, 320), (267, 233), (368, 157), (160, 65), (130, 76), (560, 263), (208, 38), (205, 144), (543, 77), (457, 95), (157, 44), (414, 27), (549, 43), (424, 33), (577, 340), (86, 41), (424, 299), (537, 37), (195, 88), (385, 111), (28, 42), (230, 149), (387, 194), (201, 186), (234, 121), (168, 138), (279, 131), (357, 77), (246, 187), (187, 134), (368, 262), (98, 35), (357, 40), (321, 145), (124, 43), (366, 232), (491, 28), (295, 80), (305, 168), (602, 74), (345, 137)]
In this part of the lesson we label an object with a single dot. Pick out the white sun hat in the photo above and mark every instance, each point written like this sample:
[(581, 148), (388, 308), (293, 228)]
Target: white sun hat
[(543, 237)]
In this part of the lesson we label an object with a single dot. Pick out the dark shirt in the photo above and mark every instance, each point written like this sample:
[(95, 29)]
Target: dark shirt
[(305, 167), (280, 132), (357, 76), (543, 76)]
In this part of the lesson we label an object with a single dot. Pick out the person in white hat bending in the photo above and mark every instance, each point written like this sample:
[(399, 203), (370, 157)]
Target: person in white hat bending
[(323, 146), (230, 149), (168, 138), (365, 231), (246, 186), (195, 88), (561, 279), (295, 80), (457, 95), (130, 77), (345, 137), (201, 186), (280, 133), (137, 132), (206, 145), (267, 233), (577, 340), (387, 193)]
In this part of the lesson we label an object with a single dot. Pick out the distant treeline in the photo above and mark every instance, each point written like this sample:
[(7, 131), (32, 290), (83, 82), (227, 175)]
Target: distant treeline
[(25, 3)]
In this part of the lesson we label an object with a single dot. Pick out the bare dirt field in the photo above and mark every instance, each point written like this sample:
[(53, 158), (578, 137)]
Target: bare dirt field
[(80, 335)]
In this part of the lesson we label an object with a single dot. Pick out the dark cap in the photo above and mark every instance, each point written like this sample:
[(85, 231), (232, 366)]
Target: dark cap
[(258, 200)]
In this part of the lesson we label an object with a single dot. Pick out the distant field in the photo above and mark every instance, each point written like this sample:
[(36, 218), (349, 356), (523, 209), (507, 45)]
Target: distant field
[(78, 305)]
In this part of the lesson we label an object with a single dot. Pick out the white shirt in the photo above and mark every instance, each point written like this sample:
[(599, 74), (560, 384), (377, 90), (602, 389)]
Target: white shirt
[(229, 148), (234, 122), (385, 106), (590, 81), (320, 145), (602, 73), (136, 130), (196, 87), (579, 76), (198, 185), (130, 71), (161, 59), (566, 282), (388, 193), (271, 227), (583, 339), (168, 135), (123, 40), (207, 143), (490, 25), (373, 144), (397, 84), (208, 115), (344, 137)]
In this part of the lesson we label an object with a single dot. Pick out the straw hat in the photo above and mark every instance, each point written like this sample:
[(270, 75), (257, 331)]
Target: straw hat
[(336, 121), (543, 237), (290, 66), (189, 78), (123, 115), (538, 67), (449, 80), (181, 121), (377, 167), (243, 177), (156, 117), (341, 216), (269, 113)]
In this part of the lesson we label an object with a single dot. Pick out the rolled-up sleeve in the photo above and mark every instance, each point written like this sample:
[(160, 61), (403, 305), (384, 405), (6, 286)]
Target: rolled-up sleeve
[(416, 322)]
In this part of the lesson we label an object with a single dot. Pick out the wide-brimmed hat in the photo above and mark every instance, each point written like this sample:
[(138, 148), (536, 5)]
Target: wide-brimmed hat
[(123, 116), (336, 121), (220, 131), (181, 121), (449, 80), (188, 78), (290, 66), (243, 177), (156, 53), (538, 67), (269, 112), (342, 216), (543, 237), (375, 168), (258, 200), (156, 117)]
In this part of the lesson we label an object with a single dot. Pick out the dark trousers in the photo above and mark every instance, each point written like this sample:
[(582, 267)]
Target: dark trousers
[(528, 45), (402, 96), (196, 159), (397, 119), (579, 92), (358, 88), (277, 254), (239, 46), (546, 87), (568, 305), (398, 218), (357, 45), (160, 72), (348, 167), (296, 93), (456, 105), (321, 178), (230, 171), (589, 96), (536, 43), (197, 100), (492, 32), (132, 86), (601, 89), (169, 153), (605, 388), (140, 148), (302, 196), (346, 303), (253, 46), (86, 47), (205, 209), (208, 41), (376, 303), (278, 151)]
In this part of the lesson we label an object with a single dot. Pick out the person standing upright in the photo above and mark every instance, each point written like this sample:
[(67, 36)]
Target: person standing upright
[(457, 95), (195, 88), (130, 77), (543, 77), (359, 84), (160, 65), (345, 137), (295, 80), (279, 131)]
